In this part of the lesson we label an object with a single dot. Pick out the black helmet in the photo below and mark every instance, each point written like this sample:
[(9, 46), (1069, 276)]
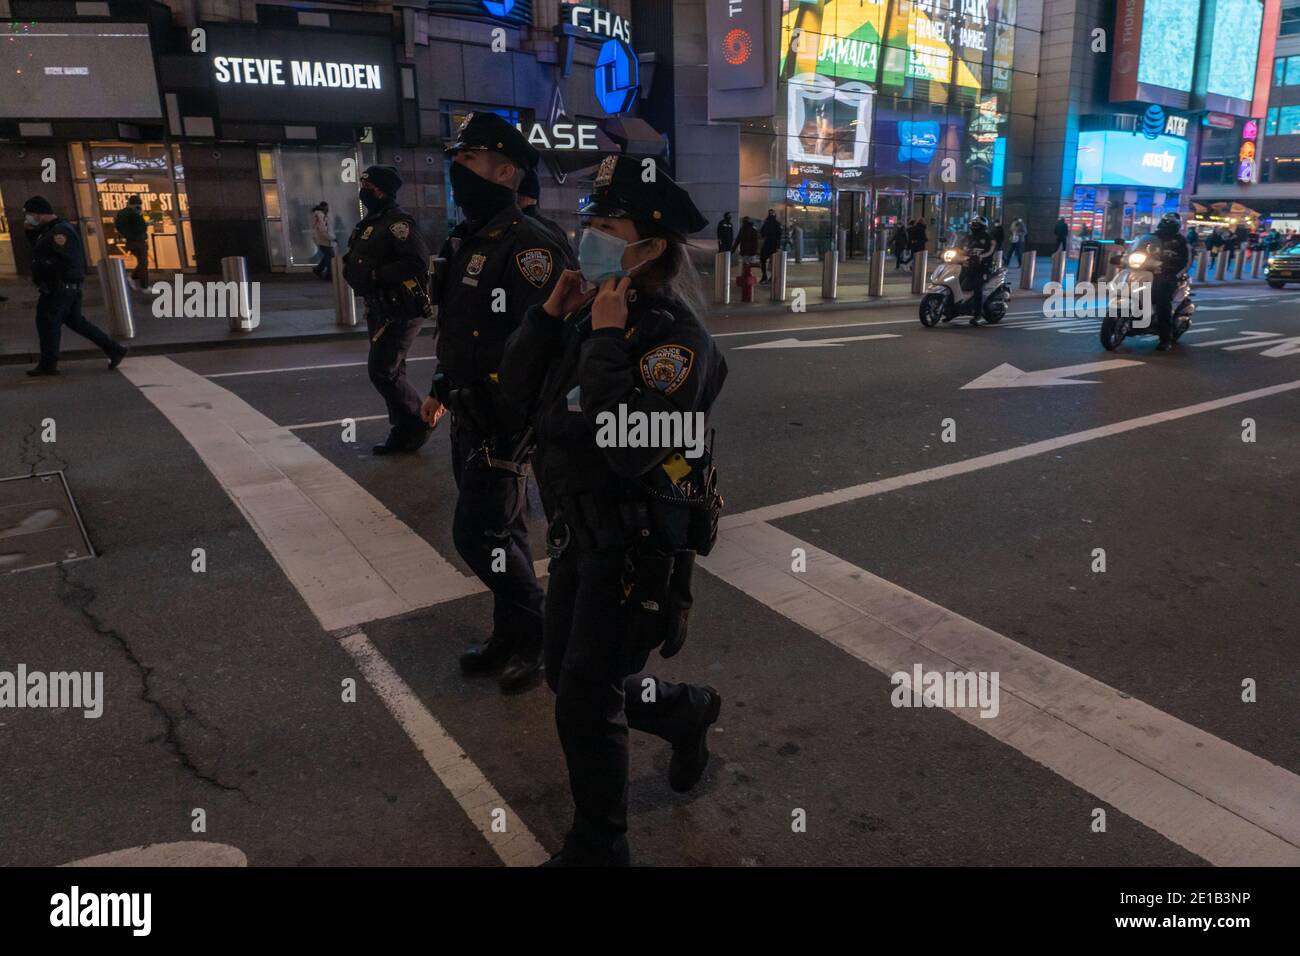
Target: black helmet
[(978, 224), (1171, 224)]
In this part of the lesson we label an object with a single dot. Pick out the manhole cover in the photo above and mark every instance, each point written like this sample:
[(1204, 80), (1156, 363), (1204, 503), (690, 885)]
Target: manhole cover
[(39, 523)]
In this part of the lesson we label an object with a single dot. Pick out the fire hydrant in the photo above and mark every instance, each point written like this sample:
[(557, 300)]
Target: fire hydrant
[(746, 281)]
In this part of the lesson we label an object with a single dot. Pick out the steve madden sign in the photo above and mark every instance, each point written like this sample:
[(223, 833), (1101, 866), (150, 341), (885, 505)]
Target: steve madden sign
[(255, 71)]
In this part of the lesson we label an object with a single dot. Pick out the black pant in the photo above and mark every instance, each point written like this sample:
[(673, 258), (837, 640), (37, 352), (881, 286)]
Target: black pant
[(1162, 300), (387, 367), (1017, 252), (59, 307), (324, 267), (600, 693), (490, 514), (764, 256)]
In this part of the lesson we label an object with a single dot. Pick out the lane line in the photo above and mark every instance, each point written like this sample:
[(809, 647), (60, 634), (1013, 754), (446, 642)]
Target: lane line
[(336, 421), (880, 486), (446, 758), (305, 368), (1210, 797), (349, 557)]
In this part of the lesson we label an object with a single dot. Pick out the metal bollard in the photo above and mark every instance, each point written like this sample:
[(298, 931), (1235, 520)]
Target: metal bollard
[(1258, 264), (876, 278), (1060, 259), (1221, 266), (117, 298), (345, 303), (843, 245), (920, 270), (830, 275), (1028, 265), (1112, 269), (722, 278), (235, 269), (1087, 264), (776, 266), (1241, 264), (1202, 264)]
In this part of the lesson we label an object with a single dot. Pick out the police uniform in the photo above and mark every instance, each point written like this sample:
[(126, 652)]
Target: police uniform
[(387, 264), (496, 264), (531, 188), (58, 270), (625, 522)]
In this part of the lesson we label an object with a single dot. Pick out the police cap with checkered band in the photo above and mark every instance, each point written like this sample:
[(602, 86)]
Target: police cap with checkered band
[(628, 188)]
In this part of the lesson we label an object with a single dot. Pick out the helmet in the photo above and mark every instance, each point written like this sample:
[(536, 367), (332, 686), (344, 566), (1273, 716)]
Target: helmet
[(977, 224), (1170, 224)]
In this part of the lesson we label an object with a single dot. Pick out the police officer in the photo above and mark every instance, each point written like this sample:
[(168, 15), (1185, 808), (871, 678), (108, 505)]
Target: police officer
[(58, 269), (625, 522), (387, 263), (497, 263), (530, 193), (979, 246), (1172, 255)]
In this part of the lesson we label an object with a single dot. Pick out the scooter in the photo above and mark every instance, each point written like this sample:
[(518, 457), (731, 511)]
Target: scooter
[(1139, 270), (945, 299)]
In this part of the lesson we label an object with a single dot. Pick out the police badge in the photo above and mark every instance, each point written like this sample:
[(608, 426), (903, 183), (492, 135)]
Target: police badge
[(667, 367), (369, 230), (400, 230), (605, 174), (476, 264), (535, 266)]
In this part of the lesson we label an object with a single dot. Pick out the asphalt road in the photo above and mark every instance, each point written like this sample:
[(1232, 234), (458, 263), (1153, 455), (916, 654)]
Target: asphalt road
[(1122, 689)]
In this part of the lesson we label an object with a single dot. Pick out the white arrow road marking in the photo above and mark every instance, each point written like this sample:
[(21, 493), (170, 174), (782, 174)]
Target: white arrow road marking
[(1249, 338), (184, 853), (1008, 376), (1216, 800), (814, 343)]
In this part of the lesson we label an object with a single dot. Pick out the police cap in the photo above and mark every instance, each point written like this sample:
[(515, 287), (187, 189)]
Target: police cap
[(385, 178), (623, 192), (487, 130)]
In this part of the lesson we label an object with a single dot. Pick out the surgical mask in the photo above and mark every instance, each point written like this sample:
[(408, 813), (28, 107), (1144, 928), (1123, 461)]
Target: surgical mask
[(600, 256), (30, 221)]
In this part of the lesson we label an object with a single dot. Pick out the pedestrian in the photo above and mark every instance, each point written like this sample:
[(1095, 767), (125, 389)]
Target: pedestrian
[(132, 226), (726, 238), (1062, 233), (529, 199), (323, 236), (747, 241), (58, 269), (387, 264), (771, 235), (498, 263), (999, 235), (796, 240), (1193, 239), (917, 237), (1212, 243), (899, 246), (1019, 235), (625, 521)]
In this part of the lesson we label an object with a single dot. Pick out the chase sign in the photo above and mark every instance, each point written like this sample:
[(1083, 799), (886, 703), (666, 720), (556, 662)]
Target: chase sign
[(617, 76)]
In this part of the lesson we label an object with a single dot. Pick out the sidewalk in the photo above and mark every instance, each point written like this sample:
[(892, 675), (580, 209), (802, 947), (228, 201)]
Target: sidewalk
[(300, 308)]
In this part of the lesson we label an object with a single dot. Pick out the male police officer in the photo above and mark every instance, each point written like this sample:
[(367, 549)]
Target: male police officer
[(530, 194), (387, 263), (498, 263), (58, 268)]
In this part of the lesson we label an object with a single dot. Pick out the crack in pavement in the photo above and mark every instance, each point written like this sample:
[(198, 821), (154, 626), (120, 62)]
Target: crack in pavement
[(32, 456), (79, 597)]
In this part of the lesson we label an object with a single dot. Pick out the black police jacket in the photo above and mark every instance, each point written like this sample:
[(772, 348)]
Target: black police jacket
[(534, 214), (1172, 254), (664, 361), (384, 250), (57, 253), (493, 272)]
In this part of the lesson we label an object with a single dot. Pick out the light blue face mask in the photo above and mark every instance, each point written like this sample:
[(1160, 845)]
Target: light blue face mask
[(600, 256)]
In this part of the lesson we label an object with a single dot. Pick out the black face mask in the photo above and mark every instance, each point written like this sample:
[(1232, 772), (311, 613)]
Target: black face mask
[(479, 198), (370, 199)]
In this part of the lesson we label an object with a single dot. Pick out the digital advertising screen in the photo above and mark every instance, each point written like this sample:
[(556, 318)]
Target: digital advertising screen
[(1121, 158), (948, 41), (828, 124), (302, 76), (834, 38), (76, 71), (1155, 51), (1234, 48)]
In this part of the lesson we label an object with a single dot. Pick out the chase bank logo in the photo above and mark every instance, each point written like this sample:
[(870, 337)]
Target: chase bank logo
[(616, 76), (498, 8), (1153, 121)]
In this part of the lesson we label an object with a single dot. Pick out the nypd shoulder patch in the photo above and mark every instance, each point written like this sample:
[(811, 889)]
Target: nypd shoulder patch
[(401, 231), (60, 239), (535, 265), (667, 367)]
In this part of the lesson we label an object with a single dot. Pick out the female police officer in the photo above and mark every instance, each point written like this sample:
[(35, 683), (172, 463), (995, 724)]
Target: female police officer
[(626, 519)]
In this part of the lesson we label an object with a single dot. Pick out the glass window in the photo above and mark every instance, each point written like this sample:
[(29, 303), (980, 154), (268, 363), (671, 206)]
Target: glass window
[(1293, 71), (266, 164), (1279, 70), (1270, 123), (1288, 121)]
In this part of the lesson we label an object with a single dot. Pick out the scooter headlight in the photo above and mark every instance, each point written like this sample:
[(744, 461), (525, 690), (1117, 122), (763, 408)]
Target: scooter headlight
[(950, 255), (1137, 260)]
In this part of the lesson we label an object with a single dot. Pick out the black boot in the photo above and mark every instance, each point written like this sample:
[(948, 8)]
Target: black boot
[(575, 853), (523, 671), (115, 359), (691, 754), (401, 441), (42, 370), (487, 658)]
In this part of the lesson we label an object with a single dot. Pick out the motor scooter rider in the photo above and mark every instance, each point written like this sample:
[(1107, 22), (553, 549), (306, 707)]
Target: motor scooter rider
[(979, 246), (1171, 256)]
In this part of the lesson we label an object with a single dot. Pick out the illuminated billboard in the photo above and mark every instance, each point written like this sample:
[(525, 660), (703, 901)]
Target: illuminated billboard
[(1155, 52), (1119, 158), (1228, 66), (827, 124), (835, 38), (948, 41)]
